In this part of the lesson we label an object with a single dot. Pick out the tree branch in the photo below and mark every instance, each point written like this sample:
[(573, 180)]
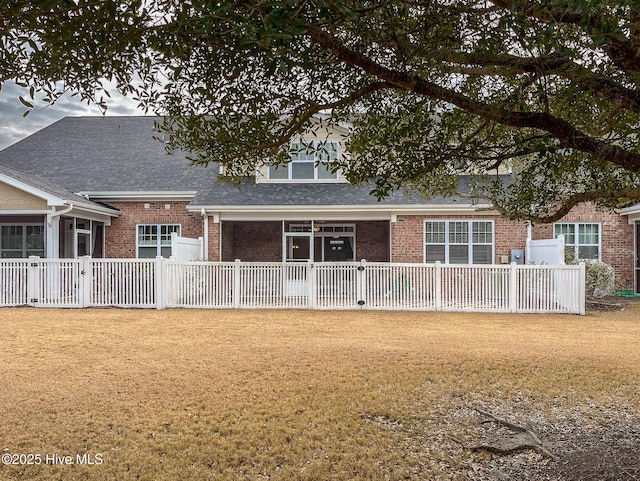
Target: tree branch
[(624, 52), (563, 207), (568, 134), (299, 120), (552, 64)]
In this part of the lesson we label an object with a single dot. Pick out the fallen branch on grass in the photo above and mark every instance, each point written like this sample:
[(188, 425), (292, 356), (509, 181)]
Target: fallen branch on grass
[(522, 439)]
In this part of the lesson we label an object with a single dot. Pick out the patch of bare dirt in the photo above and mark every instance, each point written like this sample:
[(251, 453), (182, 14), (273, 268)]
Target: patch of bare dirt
[(611, 303), (583, 448)]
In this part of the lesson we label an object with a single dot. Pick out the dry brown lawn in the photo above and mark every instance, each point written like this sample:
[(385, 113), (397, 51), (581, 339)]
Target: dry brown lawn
[(294, 395)]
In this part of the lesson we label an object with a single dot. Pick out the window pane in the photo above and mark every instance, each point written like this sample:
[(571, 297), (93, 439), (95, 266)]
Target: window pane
[(12, 237), (278, 172), (302, 170), (35, 237), (327, 151), (147, 252), (434, 253), (588, 252), (165, 236), (458, 232), (588, 233), (325, 173), (482, 233), (435, 232), (567, 230), (302, 151), (482, 254), (147, 235), (458, 254)]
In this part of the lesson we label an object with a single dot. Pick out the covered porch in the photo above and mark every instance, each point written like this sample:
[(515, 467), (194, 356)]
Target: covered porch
[(40, 219), (321, 240)]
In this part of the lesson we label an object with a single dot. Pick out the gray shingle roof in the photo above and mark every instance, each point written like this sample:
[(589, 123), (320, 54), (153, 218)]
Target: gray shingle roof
[(117, 154)]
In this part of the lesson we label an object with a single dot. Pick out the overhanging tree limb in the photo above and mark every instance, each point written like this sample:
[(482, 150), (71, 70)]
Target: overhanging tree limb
[(568, 135)]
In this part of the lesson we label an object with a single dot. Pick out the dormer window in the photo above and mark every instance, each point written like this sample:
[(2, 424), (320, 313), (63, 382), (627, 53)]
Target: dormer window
[(309, 161)]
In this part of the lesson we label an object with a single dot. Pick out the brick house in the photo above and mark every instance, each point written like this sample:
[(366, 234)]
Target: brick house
[(105, 187)]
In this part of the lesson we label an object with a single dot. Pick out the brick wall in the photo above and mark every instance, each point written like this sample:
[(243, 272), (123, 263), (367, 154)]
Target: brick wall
[(252, 241), (121, 234), (617, 237), (372, 241), (616, 233), (262, 241), (408, 236), (214, 241)]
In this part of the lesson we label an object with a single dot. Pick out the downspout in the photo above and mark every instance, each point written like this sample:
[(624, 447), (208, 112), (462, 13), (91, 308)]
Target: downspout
[(529, 236), (203, 213), (59, 212)]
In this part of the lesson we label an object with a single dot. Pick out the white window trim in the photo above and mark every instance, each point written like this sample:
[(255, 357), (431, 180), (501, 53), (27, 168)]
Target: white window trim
[(158, 244), (267, 172), (576, 233), (469, 244), (24, 237)]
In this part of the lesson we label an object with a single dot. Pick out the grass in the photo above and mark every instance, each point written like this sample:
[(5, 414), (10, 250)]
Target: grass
[(299, 395)]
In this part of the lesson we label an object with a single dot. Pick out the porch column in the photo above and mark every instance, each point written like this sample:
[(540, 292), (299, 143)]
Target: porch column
[(52, 236), (213, 244)]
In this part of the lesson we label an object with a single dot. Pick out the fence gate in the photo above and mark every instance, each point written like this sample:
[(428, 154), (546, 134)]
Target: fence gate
[(56, 283)]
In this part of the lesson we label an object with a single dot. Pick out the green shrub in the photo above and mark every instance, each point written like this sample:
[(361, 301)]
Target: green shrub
[(600, 279)]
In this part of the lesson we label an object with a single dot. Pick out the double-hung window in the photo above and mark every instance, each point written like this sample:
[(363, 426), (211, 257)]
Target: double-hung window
[(309, 161), (155, 239), (459, 242), (581, 239)]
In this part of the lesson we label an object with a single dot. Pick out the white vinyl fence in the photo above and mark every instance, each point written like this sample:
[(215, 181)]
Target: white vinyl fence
[(162, 283), (545, 251)]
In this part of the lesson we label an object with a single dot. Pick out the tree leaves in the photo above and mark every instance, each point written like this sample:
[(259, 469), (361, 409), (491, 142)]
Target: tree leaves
[(548, 91)]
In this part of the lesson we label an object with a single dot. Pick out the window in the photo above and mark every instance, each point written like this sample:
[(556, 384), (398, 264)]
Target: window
[(20, 241), (155, 239), (309, 161), (581, 240), (459, 242)]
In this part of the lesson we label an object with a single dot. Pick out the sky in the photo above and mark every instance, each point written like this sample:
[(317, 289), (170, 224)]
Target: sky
[(14, 127)]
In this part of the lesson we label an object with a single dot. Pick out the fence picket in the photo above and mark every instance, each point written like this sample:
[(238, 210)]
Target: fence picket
[(160, 283)]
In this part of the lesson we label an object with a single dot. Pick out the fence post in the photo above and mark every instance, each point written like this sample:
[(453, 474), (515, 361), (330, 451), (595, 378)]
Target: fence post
[(361, 273), (32, 280), (86, 281), (582, 288), (438, 286), (236, 284), (159, 277), (311, 286), (513, 288)]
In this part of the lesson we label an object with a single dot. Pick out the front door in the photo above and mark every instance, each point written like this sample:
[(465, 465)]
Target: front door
[(338, 248), (298, 247)]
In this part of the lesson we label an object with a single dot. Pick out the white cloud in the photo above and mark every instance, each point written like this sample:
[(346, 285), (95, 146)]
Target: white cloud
[(14, 127)]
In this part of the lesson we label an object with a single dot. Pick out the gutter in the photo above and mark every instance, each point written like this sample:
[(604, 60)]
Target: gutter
[(59, 212)]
